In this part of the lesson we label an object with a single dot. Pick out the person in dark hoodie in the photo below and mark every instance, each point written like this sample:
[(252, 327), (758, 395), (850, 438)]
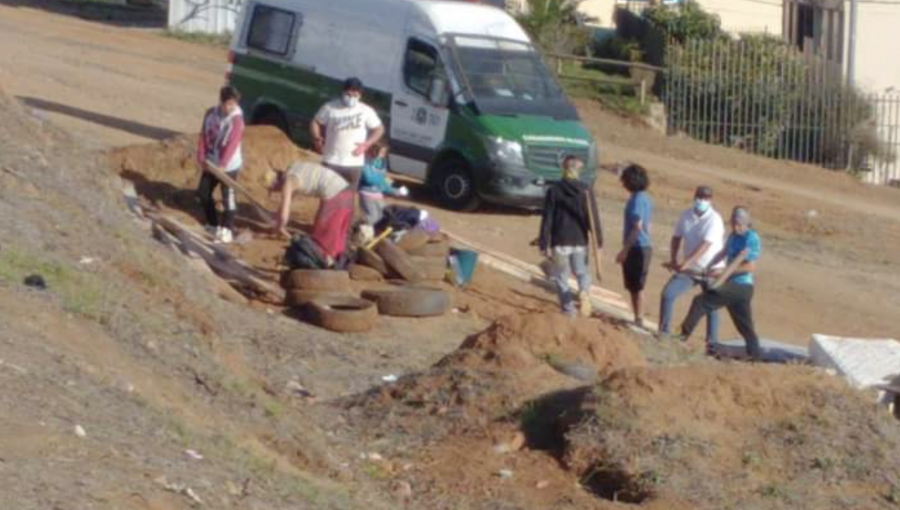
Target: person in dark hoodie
[(564, 234)]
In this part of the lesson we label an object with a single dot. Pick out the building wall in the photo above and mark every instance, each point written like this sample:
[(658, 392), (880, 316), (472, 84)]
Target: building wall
[(205, 16), (877, 43), (747, 15)]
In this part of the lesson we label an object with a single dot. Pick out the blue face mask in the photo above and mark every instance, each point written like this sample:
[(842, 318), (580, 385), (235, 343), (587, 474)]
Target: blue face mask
[(701, 205)]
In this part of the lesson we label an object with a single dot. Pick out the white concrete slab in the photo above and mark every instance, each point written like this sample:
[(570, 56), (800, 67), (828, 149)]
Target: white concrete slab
[(865, 363)]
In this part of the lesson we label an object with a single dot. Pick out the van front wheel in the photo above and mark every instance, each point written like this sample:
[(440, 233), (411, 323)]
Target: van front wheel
[(453, 185)]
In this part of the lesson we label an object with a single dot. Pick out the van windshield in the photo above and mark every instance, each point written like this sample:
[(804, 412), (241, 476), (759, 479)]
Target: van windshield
[(507, 77)]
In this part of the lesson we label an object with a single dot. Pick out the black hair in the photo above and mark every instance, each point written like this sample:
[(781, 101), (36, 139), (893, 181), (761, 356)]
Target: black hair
[(569, 158), (354, 84), (229, 92), (635, 178)]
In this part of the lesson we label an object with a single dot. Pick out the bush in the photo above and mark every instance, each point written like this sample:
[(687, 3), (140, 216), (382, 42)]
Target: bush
[(683, 23), (555, 25)]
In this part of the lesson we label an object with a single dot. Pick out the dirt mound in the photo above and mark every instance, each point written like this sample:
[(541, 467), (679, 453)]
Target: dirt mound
[(735, 437), (162, 171), (517, 342)]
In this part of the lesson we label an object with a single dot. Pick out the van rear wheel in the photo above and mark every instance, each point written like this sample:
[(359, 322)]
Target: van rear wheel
[(272, 117), (453, 185)]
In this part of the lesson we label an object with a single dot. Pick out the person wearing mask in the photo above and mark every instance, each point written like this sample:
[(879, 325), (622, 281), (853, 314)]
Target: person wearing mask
[(219, 144), (699, 236), (564, 234), (636, 246), (332, 224), (733, 286), (343, 130)]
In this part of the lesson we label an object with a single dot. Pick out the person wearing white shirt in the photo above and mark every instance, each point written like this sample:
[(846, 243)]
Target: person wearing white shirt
[(350, 127), (699, 236)]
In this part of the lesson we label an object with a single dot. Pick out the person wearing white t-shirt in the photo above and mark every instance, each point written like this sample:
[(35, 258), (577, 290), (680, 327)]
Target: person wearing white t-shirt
[(350, 127), (699, 236)]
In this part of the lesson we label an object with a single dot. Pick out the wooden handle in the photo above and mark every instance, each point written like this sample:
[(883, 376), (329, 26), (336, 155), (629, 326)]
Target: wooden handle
[(231, 183)]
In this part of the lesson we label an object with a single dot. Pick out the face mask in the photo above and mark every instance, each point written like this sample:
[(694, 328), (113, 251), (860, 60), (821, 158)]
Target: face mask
[(378, 163), (701, 205), (350, 101)]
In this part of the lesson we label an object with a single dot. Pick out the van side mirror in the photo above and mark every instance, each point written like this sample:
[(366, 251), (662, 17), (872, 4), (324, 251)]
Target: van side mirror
[(438, 91)]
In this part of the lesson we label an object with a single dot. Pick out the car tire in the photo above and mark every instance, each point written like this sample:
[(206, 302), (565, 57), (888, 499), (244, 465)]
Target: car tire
[(371, 259), (413, 239), (319, 279), (361, 273), (433, 269), (410, 301), (398, 261), (297, 298), (344, 314), (453, 185)]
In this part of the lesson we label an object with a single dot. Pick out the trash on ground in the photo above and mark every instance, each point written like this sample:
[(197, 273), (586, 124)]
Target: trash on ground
[(35, 281), (390, 378), (193, 454), (80, 432)]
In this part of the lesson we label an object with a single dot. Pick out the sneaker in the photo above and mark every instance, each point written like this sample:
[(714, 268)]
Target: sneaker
[(584, 304), (570, 313), (224, 235)]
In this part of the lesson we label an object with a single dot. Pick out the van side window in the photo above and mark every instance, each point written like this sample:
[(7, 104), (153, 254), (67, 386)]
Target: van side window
[(421, 64), (271, 30)]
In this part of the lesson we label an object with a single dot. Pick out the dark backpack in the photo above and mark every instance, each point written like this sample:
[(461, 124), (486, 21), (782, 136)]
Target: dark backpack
[(304, 253)]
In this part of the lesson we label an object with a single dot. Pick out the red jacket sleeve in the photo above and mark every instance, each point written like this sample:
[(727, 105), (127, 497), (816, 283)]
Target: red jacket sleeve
[(234, 141)]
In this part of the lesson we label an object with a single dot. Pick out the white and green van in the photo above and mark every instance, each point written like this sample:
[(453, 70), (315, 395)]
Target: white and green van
[(470, 106)]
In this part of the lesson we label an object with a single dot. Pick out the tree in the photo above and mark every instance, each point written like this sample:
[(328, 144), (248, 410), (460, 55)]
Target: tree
[(684, 22), (555, 25)]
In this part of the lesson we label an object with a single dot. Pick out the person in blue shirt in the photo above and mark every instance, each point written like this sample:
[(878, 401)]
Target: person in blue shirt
[(733, 287), (636, 246), (374, 184)]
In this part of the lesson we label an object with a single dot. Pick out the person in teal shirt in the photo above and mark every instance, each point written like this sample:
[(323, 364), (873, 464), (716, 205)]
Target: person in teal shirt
[(733, 287), (637, 249)]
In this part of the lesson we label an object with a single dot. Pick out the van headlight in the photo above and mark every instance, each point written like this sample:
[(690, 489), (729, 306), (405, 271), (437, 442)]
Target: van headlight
[(506, 151)]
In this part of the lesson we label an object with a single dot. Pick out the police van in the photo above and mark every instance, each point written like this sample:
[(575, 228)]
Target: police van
[(470, 107)]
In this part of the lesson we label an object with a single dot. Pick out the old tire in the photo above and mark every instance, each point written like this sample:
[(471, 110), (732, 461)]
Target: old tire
[(413, 239), (433, 268), (371, 259), (410, 301), (433, 249), (319, 279), (297, 298), (344, 314), (361, 273), (397, 260)]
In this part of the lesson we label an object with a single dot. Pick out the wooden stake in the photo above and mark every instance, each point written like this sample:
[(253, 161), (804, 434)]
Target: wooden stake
[(593, 236)]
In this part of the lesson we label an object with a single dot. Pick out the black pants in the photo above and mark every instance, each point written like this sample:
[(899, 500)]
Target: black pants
[(208, 183), (736, 298)]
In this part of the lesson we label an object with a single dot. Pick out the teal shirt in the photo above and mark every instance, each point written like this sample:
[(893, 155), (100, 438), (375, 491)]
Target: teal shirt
[(735, 245)]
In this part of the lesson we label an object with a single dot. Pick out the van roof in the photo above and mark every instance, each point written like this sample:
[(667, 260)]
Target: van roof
[(435, 16)]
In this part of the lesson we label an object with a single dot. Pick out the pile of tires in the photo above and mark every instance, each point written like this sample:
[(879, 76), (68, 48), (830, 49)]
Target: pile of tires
[(327, 299), (418, 257), (410, 301)]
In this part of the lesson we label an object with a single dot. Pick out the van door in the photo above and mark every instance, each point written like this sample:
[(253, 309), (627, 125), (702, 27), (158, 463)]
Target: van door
[(418, 124)]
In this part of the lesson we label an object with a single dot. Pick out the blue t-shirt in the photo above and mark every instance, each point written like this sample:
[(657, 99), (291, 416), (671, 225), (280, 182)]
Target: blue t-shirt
[(735, 245), (639, 208)]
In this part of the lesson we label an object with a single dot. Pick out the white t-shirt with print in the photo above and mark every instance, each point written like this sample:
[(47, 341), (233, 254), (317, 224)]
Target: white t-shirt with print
[(345, 127), (694, 230)]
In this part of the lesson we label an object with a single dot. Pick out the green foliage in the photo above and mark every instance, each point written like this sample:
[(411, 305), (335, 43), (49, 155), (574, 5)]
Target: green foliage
[(685, 22), (553, 25)]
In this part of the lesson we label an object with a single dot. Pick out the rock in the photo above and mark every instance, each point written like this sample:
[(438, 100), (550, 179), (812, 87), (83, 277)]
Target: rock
[(543, 484), (518, 442), (80, 432), (193, 454), (35, 281), (403, 490), (375, 457), (506, 474)]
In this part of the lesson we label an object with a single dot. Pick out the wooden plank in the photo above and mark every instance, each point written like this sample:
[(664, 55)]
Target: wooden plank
[(263, 211)]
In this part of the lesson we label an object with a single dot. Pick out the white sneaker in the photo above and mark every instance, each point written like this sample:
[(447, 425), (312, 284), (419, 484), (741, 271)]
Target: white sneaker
[(224, 235)]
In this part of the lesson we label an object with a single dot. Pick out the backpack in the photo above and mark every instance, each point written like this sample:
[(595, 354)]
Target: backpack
[(304, 253)]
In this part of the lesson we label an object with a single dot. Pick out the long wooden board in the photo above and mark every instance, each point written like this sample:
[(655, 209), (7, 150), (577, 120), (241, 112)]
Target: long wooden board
[(263, 211)]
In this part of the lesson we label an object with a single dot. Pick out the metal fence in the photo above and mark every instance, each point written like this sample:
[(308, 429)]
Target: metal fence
[(767, 98)]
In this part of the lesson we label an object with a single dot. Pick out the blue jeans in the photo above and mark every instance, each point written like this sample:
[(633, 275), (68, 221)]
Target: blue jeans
[(576, 263), (678, 285)]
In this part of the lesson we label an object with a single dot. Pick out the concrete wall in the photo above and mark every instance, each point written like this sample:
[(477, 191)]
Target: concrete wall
[(877, 43), (206, 16)]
